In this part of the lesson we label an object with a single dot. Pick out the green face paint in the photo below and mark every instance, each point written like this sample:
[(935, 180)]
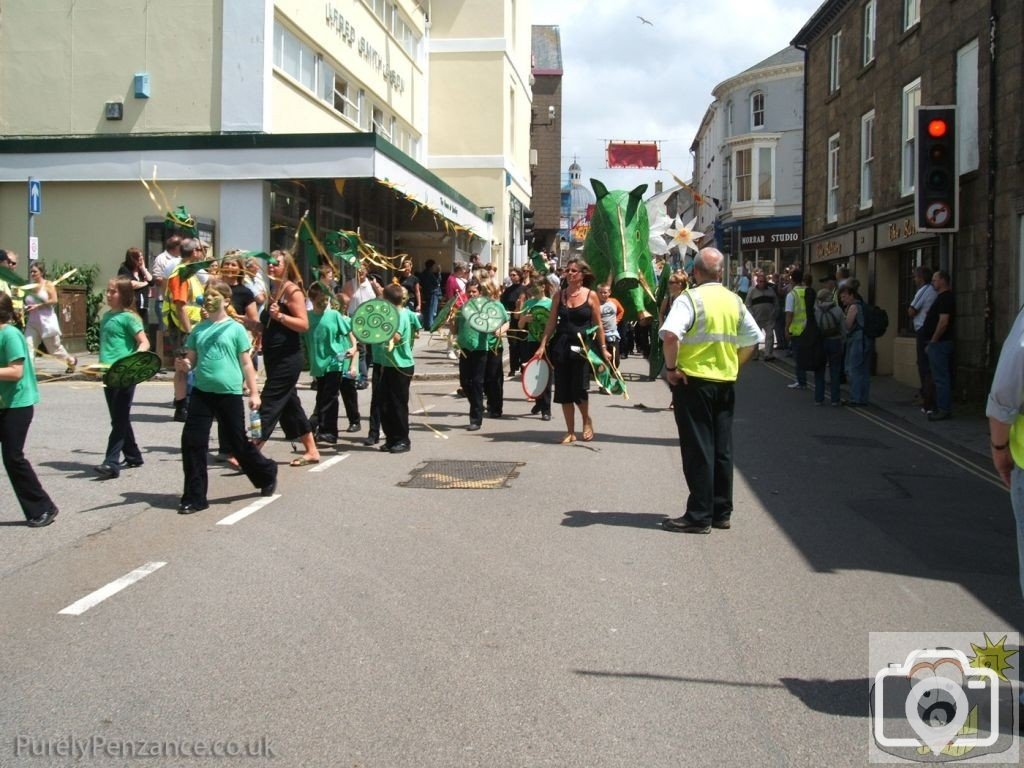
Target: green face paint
[(213, 302)]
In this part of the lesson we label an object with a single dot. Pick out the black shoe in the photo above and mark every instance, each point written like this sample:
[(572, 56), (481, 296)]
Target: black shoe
[(364, 384), (385, 448), (682, 525), (472, 427), (268, 490), (535, 410), (939, 415), (371, 440), (180, 410), (400, 448), (133, 463), (353, 427), (45, 520), (329, 439), (722, 525), (108, 471), (493, 415), (545, 417), (188, 509)]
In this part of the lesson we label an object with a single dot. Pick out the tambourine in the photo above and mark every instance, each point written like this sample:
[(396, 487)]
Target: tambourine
[(536, 376), (484, 315), (540, 317), (444, 314), (132, 370), (375, 322)]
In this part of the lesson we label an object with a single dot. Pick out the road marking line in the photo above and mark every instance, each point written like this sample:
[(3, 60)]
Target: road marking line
[(243, 513), (95, 598), (323, 466)]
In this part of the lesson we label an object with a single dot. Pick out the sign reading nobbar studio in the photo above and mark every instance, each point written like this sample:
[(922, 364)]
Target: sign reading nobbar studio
[(770, 238)]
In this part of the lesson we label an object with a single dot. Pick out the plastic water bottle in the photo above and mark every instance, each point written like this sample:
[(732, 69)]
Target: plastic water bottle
[(255, 425)]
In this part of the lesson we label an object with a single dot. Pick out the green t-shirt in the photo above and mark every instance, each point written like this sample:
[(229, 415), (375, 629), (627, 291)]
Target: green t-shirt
[(476, 341), (217, 347), (327, 342), (530, 304), (118, 329), (24, 391), (401, 355)]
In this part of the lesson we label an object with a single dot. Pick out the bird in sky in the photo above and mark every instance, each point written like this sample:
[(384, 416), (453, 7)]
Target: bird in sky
[(645, 21)]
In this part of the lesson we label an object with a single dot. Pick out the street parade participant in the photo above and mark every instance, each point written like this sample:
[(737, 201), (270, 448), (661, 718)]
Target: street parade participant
[(41, 322), (283, 321), (121, 334), (333, 362), (18, 396), (480, 361), (536, 308), (181, 312), (218, 351), (396, 371), (706, 337), (574, 310)]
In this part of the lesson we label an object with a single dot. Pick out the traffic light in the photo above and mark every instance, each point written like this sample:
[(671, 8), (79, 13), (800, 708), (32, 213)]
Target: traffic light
[(937, 187), (527, 225)]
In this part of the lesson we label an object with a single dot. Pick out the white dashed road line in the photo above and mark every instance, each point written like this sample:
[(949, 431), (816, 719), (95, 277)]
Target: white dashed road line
[(244, 512), (81, 606), (325, 465)]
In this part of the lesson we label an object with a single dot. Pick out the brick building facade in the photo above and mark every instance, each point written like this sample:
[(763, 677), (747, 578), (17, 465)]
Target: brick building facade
[(546, 134), (869, 64)]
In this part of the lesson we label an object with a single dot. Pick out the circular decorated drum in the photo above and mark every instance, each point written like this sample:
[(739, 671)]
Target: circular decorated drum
[(540, 317), (444, 314), (375, 322), (132, 370), (536, 375), (484, 315)]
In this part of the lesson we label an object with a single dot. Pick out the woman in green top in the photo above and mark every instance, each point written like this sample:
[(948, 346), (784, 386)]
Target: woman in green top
[(121, 334), (18, 396), (218, 351)]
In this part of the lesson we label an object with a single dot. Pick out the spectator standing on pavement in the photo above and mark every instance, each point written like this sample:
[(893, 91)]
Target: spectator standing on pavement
[(829, 320), (763, 303), (706, 337), (41, 322), (134, 268), (430, 290), (859, 347), (411, 283), (121, 334), (798, 301), (19, 394), (181, 312), (1006, 427), (918, 312), (938, 330), (782, 287), (163, 265), (511, 300)]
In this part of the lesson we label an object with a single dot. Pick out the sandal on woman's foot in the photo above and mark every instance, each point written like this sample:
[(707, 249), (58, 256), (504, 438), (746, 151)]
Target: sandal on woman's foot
[(588, 431), (303, 462), (233, 462), (72, 364), (568, 439)]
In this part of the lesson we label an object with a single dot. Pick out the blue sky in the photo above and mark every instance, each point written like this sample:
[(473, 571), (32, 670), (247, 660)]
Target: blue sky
[(628, 80)]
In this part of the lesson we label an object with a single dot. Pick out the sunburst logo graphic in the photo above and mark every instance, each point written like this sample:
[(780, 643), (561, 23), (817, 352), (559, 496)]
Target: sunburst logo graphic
[(994, 656)]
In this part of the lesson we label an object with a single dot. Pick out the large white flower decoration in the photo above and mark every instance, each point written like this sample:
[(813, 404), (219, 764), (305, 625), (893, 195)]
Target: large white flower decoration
[(684, 237), (658, 222)]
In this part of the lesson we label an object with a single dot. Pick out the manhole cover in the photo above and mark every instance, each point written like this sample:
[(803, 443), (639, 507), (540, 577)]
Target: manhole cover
[(845, 441), (478, 475)]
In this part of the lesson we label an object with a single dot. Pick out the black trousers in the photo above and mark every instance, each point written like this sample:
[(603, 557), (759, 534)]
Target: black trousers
[(229, 411), (375, 400), (472, 370), (515, 353), (325, 412), (543, 401), (350, 399), (394, 402), (279, 399), (14, 424), (494, 382), (703, 411), (122, 438)]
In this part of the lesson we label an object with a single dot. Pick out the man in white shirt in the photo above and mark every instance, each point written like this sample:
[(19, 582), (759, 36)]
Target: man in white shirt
[(918, 310)]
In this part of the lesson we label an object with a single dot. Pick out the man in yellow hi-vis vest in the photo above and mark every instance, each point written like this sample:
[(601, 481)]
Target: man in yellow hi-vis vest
[(798, 301), (706, 337)]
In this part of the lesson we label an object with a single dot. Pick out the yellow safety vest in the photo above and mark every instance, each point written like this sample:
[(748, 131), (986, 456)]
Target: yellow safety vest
[(799, 312), (192, 308), (708, 349)]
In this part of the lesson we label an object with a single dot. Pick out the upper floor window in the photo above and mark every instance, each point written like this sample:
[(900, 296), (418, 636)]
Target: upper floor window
[(744, 174), (832, 210), (757, 110), (299, 61), (869, 32), (911, 13), (911, 101), (753, 174), (867, 158), (833, 61), (728, 119)]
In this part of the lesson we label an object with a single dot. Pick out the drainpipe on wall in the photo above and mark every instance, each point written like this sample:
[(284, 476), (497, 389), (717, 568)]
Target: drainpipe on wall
[(990, 243), (803, 168)]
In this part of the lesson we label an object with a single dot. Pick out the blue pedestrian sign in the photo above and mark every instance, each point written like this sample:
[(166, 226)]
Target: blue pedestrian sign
[(35, 196)]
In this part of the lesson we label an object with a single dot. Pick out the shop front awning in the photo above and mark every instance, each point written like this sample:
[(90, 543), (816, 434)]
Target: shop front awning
[(238, 157)]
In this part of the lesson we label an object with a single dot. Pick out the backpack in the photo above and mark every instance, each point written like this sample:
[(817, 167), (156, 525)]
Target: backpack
[(876, 321), (828, 325)]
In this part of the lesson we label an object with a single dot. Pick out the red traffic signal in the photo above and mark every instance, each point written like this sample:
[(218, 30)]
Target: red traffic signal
[(937, 187), (937, 128)]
